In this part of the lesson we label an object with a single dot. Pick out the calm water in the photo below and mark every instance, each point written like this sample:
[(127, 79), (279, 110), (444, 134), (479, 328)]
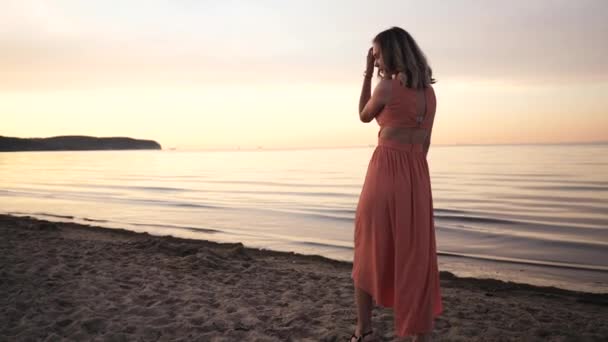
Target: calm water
[(537, 209)]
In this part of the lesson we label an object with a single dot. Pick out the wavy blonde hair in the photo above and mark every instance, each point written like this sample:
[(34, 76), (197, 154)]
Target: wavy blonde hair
[(402, 57)]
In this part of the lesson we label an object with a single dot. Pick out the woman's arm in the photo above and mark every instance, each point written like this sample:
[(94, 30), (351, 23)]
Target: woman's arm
[(370, 105), (373, 105), (366, 91)]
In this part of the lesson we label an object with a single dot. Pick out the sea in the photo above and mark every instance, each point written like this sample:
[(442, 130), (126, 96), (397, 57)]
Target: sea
[(535, 214)]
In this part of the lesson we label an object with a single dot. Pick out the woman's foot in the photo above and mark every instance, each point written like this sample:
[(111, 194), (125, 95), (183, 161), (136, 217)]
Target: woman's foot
[(360, 337)]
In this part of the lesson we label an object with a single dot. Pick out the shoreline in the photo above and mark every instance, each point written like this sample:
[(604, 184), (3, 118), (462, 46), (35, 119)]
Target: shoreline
[(82, 281), (574, 278)]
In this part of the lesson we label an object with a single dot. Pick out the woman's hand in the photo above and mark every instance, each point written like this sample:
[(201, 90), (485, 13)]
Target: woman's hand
[(369, 69)]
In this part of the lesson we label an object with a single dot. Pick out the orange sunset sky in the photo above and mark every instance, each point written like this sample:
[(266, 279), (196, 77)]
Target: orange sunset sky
[(222, 74)]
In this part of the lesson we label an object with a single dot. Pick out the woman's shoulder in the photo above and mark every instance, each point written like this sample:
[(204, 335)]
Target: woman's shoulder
[(384, 88)]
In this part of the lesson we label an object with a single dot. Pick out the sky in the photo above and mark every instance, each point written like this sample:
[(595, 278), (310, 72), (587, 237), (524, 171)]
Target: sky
[(282, 74)]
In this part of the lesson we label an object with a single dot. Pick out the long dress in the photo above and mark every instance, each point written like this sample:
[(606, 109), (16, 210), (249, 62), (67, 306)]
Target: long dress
[(395, 258)]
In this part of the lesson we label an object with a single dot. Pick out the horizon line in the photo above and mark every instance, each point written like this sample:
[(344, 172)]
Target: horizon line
[(262, 148)]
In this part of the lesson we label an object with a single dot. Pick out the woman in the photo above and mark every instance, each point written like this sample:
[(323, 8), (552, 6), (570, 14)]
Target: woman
[(395, 260)]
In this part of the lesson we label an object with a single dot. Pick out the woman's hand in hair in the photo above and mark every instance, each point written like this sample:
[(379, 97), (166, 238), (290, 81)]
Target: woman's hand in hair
[(369, 69)]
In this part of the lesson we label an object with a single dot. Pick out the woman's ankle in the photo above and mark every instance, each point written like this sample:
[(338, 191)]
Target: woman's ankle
[(363, 328)]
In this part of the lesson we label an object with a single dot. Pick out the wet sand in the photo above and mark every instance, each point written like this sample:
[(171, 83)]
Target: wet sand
[(76, 282)]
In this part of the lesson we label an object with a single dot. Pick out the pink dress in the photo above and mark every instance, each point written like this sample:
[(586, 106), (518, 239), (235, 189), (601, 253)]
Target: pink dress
[(395, 257)]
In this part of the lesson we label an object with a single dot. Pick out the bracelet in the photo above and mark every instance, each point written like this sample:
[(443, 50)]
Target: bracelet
[(365, 74)]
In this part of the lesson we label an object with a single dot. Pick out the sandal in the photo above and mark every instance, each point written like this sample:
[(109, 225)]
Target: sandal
[(359, 338)]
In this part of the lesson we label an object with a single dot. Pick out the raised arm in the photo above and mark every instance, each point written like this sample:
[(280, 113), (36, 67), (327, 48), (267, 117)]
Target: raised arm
[(371, 104), (374, 104), (366, 91)]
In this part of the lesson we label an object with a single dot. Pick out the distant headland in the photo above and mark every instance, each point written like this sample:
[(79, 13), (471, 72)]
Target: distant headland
[(75, 143)]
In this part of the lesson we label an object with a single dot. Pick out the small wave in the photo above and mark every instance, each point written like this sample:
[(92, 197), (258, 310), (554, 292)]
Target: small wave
[(94, 220), (111, 186), (278, 193), (544, 208), (514, 175), (549, 198), (54, 215), (565, 236), (526, 261), (322, 244), (285, 184), (157, 202), (17, 213), (331, 211), (314, 194), (156, 188), (173, 226), (313, 214), (192, 205), (20, 192), (325, 216), (508, 180), (454, 211), (291, 193), (67, 217), (475, 219), (566, 188)]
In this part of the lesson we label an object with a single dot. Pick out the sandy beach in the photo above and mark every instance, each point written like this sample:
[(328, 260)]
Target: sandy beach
[(64, 281)]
